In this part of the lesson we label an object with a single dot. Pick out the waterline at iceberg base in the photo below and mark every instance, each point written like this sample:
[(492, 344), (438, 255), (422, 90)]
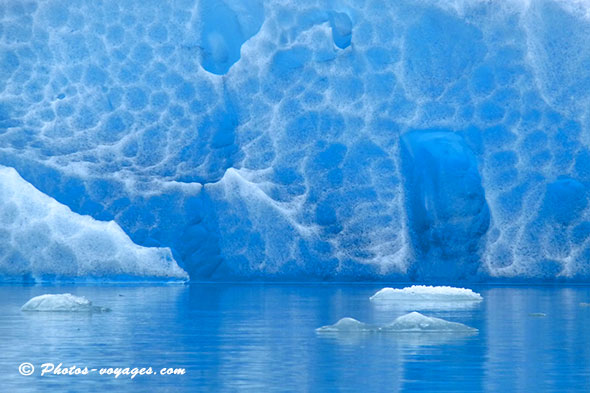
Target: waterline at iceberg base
[(294, 196)]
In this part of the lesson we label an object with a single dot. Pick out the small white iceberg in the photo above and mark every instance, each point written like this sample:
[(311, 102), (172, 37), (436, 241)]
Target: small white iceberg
[(413, 322), (61, 302)]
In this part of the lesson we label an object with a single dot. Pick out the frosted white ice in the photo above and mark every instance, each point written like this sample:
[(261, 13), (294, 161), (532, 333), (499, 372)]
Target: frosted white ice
[(427, 293), (61, 302), (41, 237)]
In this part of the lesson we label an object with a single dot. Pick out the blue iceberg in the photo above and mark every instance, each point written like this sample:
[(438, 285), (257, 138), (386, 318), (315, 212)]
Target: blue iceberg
[(342, 140)]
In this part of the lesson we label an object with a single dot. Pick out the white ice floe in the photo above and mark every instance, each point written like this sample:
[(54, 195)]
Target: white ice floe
[(427, 293), (61, 302), (422, 297)]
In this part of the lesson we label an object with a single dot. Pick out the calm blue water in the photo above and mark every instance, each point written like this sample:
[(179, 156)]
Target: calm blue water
[(238, 337)]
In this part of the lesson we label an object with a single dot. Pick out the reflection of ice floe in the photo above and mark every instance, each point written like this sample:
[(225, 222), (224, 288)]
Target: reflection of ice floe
[(62, 302), (422, 297), (413, 322)]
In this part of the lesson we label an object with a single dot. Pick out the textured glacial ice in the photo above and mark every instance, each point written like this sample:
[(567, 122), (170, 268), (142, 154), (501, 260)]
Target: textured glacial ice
[(342, 140), (65, 302), (413, 322), (41, 239)]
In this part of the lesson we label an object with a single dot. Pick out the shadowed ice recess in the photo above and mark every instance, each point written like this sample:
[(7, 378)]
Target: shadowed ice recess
[(311, 140)]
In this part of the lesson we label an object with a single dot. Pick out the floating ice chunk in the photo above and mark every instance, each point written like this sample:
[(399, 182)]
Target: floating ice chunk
[(416, 322), (42, 239), (413, 322), (427, 293), (61, 302)]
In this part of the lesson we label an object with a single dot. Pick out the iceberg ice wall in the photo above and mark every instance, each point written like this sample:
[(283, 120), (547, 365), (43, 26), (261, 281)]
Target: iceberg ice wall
[(311, 140)]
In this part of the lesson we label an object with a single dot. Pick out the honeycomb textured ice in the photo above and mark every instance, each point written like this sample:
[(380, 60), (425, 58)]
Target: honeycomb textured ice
[(312, 140)]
